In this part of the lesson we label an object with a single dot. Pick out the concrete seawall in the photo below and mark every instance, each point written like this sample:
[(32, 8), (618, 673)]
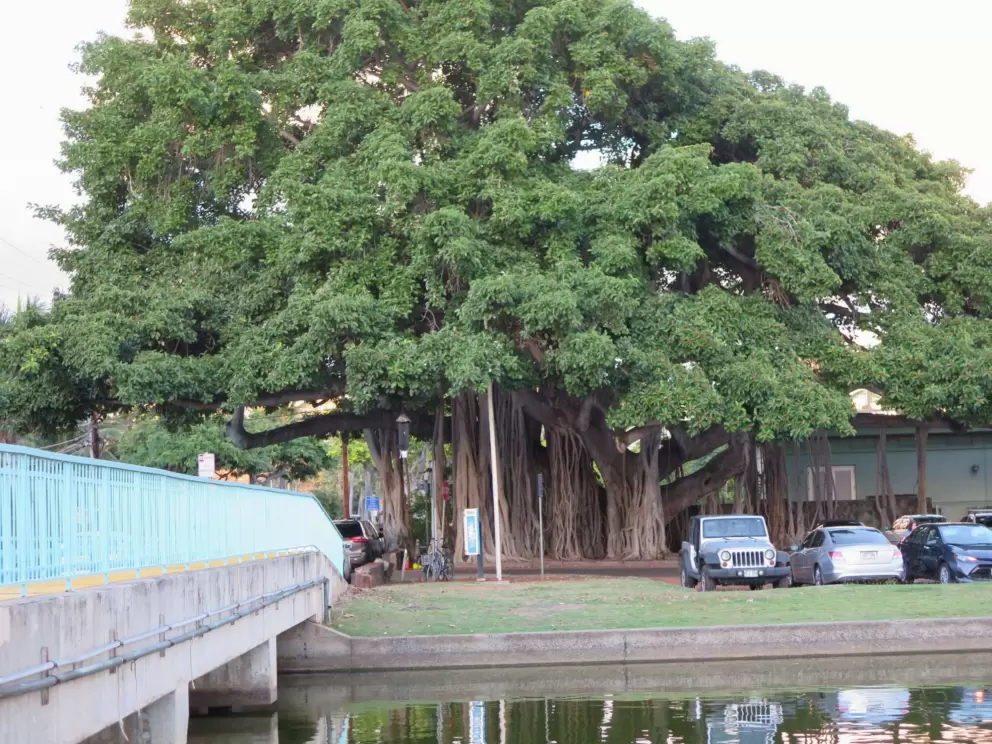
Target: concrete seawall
[(318, 694), (315, 648)]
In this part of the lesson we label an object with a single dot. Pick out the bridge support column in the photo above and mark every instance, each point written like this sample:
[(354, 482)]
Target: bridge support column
[(168, 718), (165, 721), (246, 682)]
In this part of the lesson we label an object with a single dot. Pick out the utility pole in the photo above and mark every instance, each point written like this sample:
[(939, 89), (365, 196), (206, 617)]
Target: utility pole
[(344, 475), (494, 465), (94, 436)]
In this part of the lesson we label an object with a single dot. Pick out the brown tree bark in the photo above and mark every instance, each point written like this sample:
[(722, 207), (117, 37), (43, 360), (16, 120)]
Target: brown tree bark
[(384, 448), (575, 513), (438, 474), (345, 485), (470, 470), (885, 498)]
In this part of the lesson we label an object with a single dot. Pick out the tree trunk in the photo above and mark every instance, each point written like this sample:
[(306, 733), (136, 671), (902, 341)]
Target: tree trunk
[(885, 498), (384, 448), (574, 511), (438, 528), (345, 485), (775, 480), (518, 441), (922, 434), (470, 470)]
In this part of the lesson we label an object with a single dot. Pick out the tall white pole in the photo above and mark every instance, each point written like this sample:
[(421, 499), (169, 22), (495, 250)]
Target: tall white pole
[(494, 466)]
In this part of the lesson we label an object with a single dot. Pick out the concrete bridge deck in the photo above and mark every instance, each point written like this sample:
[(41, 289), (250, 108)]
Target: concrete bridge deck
[(205, 639), (128, 594)]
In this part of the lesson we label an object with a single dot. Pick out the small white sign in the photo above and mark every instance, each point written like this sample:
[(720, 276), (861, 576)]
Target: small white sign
[(206, 466)]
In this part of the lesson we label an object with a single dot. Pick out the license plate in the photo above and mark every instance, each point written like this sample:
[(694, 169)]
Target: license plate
[(750, 574), (869, 555)]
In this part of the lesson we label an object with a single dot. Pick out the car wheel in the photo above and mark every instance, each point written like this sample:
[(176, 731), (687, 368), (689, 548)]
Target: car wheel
[(785, 582), (708, 583), (687, 581), (817, 576), (944, 575)]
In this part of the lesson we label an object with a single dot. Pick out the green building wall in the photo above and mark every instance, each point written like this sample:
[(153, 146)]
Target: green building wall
[(953, 483)]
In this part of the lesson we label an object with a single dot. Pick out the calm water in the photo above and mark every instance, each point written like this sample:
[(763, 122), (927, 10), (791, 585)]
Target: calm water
[(348, 711)]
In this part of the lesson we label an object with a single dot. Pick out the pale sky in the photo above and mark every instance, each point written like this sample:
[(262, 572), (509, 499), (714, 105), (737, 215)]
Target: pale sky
[(911, 66)]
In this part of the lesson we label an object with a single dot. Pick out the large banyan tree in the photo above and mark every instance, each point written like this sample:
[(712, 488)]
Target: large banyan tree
[(385, 204)]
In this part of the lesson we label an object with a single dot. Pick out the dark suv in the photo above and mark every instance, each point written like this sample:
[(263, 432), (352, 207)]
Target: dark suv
[(362, 541)]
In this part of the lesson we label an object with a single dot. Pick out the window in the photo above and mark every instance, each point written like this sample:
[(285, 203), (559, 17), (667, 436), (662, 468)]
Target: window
[(858, 537), (933, 537), (734, 527), (808, 542), (817, 539), (965, 534), (918, 537), (350, 529), (844, 483)]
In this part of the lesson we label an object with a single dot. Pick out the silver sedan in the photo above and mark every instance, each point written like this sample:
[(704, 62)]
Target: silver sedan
[(835, 554)]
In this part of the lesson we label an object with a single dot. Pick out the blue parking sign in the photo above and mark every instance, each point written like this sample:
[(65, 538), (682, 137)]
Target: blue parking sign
[(477, 712), (472, 536), (372, 504)]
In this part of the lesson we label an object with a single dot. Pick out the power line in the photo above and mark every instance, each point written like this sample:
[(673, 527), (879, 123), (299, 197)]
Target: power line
[(67, 441), (26, 255)]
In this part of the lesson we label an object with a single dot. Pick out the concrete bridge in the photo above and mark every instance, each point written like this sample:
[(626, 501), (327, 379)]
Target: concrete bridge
[(129, 595)]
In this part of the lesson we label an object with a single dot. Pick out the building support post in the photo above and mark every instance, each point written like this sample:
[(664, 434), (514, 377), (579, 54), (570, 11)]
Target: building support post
[(922, 433)]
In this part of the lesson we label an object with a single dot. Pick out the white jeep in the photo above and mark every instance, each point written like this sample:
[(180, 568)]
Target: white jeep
[(732, 549)]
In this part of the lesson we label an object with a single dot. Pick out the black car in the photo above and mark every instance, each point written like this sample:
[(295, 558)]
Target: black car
[(948, 553), (838, 523), (979, 517)]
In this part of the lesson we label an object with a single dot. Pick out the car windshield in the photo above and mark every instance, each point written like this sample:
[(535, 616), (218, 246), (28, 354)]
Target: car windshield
[(985, 519), (966, 534), (930, 519), (734, 527), (858, 537), (350, 529)]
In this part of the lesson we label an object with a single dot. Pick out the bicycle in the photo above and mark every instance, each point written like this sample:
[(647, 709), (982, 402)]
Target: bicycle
[(438, 563)]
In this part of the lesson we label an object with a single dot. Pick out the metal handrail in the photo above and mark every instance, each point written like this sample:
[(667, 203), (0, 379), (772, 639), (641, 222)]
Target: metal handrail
[(9, 688), (62, 517)]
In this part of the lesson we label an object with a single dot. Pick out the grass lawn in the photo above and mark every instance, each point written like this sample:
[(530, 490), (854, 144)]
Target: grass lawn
[(593, 604)]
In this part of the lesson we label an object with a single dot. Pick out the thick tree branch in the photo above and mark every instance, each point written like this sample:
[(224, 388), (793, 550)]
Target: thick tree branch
[(538, 408), (684, 492), (839, 310), (630, 436), (585, 412), (320, 426)]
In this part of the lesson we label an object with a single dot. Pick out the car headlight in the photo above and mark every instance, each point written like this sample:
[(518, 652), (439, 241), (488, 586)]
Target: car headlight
[(769, 554), (724, 555), (966, 558)]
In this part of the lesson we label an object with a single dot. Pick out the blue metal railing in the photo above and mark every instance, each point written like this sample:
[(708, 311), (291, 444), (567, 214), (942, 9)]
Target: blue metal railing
[(63, 517)]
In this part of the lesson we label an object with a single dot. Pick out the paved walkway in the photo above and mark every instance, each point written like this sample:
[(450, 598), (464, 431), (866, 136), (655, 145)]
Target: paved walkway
[(665, 570)]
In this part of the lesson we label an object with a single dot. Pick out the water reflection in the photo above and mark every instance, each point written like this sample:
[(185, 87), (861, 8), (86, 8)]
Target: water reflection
[(819, 701), (866, 715)]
